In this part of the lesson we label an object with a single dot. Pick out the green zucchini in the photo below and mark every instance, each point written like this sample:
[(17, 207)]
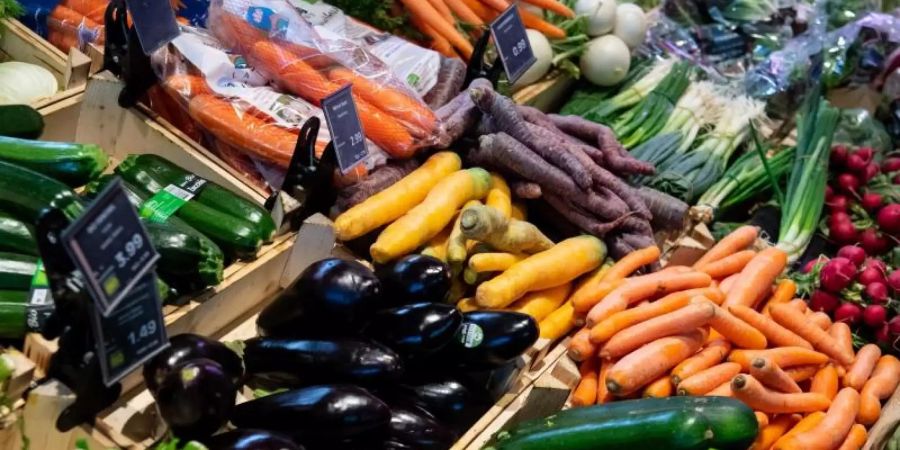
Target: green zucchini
[(26, 193), (21, 121), (73, 164), (16, 271), (13, 308), (676, 423), (217, 197), (16, 236), (237, 237)]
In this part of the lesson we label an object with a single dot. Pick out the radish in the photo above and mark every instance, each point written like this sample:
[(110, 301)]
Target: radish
[(848, 183), (883, 335), (808, 267), (838, 202), (876, 264), (843, 232), (873, 242), (838, 155), (877, 292), (893, 280), (866, 153), (849, 313), (889, 218), (823, 301), (871, 201), (856, 163), (837, 274), (870, 172), (839, 217), (854, 253), (890, 165), (871, 275), (829, 192), (875, 316), (894, 325), (896, 179)]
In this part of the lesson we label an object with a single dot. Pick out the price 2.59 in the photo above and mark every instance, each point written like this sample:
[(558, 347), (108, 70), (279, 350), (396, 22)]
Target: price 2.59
[(147, 329), (131, 248)]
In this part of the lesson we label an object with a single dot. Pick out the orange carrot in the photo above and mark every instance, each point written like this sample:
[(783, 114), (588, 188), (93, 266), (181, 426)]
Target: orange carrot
[(712, 354), (589, 294), (660, 388), (580, 346), (795, 321), (880, 386), (651, 361), (776, 428), (709, 379), (762, 419), (825, 381), (776, 335), (863, 365), (619, 321), (784, 292), (802, 373), (642, 288), (833, 428), (728, 265), (726, 284), (438, 42), (820, 319), (783, 356), (432, 17), (535, 22), (553, 6), (797, 304), (603, 394), (736, 330), (750, 391), (736, 241), (756, 278), (856, 438), (841, 333), (724, 390), (586, 391), (675, 322), (443, 10), (807, 423), (465, 13), (499, 5), (486, 13), (770, 375)]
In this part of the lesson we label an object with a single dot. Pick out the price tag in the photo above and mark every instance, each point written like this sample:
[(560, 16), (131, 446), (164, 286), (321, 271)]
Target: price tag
[(154, 21), (345, 128), (40, 304), (512, 43), (110, 246), (132, 333)]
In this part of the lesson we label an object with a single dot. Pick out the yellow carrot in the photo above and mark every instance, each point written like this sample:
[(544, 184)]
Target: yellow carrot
[(559, 323), (498, 197), (539, 304), (456, 244), (493, 262), (467, 305)]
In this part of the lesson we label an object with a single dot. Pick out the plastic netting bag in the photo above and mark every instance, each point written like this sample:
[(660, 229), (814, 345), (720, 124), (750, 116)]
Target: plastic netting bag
[(858, 128), (66, 24)]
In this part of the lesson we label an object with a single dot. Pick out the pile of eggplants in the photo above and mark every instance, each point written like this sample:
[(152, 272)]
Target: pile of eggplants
[(346, 359)]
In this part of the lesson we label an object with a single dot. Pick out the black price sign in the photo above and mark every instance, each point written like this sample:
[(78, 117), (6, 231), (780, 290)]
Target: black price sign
[(512, 43), (133, 333), (110, 246), (345, 128), (154, 21)]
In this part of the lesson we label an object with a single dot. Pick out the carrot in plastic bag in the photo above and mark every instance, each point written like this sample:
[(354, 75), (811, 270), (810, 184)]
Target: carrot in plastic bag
[(92, 9), (186, 86)]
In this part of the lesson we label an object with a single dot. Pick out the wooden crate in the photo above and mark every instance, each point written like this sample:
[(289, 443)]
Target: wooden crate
[(18, 43)]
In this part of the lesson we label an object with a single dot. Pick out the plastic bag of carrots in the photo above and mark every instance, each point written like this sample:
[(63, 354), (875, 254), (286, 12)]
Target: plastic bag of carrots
[(304, 62), (216, 98), (67, 24)]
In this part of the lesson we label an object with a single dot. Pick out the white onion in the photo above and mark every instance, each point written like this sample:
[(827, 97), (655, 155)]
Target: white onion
[(601, 15), (631, 24), (23, 83), (543, 54), (606, 61)]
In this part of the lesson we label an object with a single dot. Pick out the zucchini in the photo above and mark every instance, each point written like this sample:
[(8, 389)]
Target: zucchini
[(21, 121), (26, 193), (16, 236), (13, 308), (73, 164), (16, 271), (676, 423)]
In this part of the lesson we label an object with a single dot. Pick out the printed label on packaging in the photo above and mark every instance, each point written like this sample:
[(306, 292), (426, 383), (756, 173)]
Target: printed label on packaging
[(169, 200), (470, 335), (40, 304)]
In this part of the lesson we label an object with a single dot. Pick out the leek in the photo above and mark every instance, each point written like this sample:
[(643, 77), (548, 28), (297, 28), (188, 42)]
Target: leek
[(745, 179), (805, 197), (647, 117)]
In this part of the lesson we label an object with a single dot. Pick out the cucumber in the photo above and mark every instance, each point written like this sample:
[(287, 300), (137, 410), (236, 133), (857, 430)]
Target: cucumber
[(12, 313), (217, 197), (719, 422), (236, 237), (73, 164), (21, 121), (26, 193), (16, 271), (16, 236)]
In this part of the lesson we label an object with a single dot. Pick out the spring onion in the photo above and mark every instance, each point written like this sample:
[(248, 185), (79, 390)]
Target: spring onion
[(587, 97), (633, 94), (805, 196), (647, 117), (745, 179)]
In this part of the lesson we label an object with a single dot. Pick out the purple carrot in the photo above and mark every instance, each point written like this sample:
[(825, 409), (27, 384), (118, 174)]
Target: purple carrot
[(615, 156), (525, 189), (581, 220), (500, 150), (450, 81)]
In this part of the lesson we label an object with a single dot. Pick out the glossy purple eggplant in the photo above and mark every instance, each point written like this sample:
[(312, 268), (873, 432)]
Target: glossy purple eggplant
[(415, 279), (250, 439), (196, 399), (416, 329), (186, 347)]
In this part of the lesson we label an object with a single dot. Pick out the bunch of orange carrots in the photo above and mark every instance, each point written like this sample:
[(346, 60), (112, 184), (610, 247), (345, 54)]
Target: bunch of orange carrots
[(729, 326), (438, 20)]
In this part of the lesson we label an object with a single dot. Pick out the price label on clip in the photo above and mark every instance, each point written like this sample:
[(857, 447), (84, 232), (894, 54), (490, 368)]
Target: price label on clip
[(512, 43), (346, 130), (155, 23)]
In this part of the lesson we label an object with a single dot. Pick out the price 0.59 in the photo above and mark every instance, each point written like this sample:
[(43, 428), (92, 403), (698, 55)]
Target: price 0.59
[(131, 248), (148, 329), (520, 47)]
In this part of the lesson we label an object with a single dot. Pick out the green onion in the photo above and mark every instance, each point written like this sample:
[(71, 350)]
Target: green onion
[(696, 109), (633, 94), (745, 179), (647, 117), (805, 197)]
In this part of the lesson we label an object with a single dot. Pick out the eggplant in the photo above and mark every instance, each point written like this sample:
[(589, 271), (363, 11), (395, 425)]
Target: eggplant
[(415, 279), (448, 400), (488, 340), (415, 428), (250, 439), (316, 413), (331, 297), (196, 399), (187, 347), (416, 329), (305, 362)]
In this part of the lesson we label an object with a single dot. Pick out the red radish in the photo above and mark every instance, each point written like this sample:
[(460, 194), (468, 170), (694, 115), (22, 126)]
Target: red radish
[(883, 335), (854, 253), (871, 201), (838, 203), (875, 315), (856, 163), (823, 301), (870, 172), (838, 155), (866, 153), (829, 192), (838, 217), (894, 325), (808, 267), (876, 263), (896, 179), (837, 274), (873, 242), (893, 280), (889, 218), (870, 275), (848, 183), (890, 165), (843, 232), (848, 312), (877, 292)]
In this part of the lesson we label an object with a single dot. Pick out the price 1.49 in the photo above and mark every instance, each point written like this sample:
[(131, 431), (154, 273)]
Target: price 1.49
[(144, 331)]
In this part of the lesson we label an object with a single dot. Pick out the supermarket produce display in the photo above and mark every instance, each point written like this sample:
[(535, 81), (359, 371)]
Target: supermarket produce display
[(450, 224)]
